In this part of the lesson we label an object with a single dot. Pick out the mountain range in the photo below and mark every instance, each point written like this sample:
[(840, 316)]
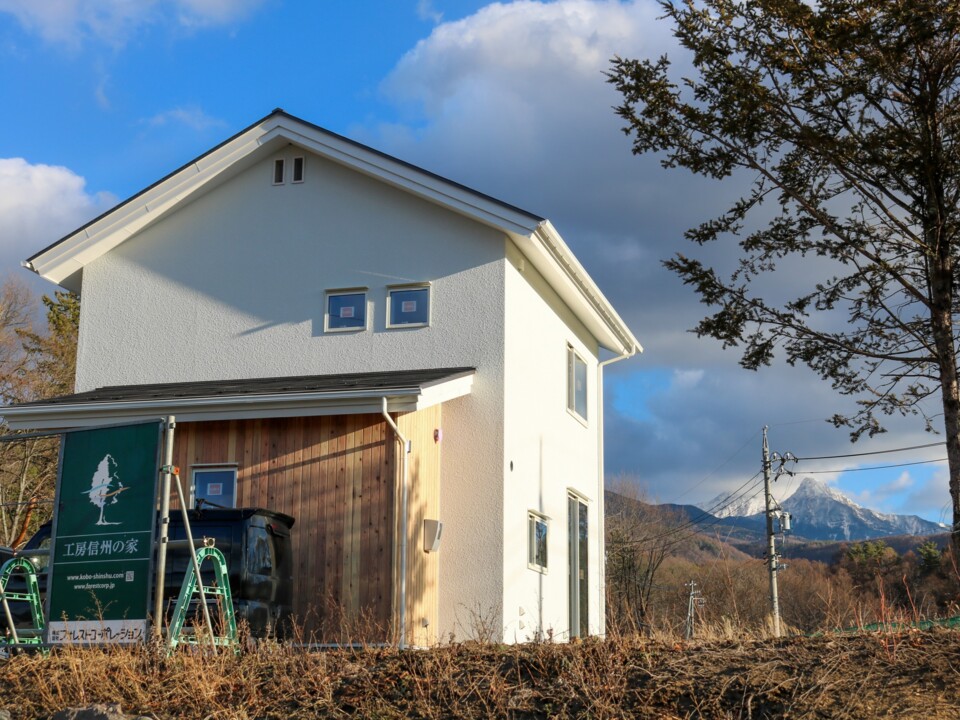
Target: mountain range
[(819, 512)]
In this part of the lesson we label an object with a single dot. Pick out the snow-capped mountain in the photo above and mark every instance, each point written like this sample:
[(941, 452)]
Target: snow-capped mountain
[(734, 505), (819, 512)]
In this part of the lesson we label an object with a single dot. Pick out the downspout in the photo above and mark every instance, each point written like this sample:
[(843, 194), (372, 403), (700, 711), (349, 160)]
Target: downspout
[(405, 444), (600, 485)]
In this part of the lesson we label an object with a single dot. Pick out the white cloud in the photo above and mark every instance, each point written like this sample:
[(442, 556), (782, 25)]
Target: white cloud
[(931, 498), (903, 482), (71, 22), (523, 78), (687, 378), (192, 117), (39, 204), (426, 11), (202, 13)]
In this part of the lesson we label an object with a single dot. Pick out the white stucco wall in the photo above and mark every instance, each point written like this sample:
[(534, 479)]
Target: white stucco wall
[(232, 286), (551, 451)]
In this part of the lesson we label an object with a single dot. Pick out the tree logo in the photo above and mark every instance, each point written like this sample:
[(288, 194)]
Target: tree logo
[(105, 487)]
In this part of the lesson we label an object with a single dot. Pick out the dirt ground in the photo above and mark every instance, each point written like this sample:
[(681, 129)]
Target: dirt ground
[(904, 675)]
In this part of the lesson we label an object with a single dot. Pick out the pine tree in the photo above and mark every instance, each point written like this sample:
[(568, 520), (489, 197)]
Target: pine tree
[(843, 116)]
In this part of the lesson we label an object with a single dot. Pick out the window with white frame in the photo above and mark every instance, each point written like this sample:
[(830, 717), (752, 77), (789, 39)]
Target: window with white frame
[(576, 384), (346, 310), (298, 169), (537, 527), (278, 171), (408, 306), (214, 486)]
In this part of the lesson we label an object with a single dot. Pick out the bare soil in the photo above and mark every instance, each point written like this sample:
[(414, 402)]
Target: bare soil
[(870, 676)]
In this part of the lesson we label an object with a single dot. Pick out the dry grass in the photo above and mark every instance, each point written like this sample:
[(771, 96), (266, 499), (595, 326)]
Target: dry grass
[(909, 675)]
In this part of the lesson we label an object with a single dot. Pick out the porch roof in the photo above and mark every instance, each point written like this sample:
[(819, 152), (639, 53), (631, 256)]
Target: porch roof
[(306, 395)]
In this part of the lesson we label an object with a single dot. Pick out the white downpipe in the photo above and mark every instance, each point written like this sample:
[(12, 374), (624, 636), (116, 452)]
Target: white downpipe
[(169, 427), (600, 487), (405, 448)]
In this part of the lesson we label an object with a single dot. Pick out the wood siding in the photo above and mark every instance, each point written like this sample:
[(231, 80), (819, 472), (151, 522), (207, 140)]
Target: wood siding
[(423, 503), (338, 476)]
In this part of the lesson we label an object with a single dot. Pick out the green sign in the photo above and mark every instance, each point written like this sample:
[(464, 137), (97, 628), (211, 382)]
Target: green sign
[(103, 535)]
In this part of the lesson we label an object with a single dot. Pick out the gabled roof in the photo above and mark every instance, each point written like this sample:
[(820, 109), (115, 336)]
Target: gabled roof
[(354, 393), (63, 261)]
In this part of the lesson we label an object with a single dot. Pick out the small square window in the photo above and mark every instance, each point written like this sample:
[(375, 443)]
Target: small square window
[(346, 310), (408, 306), (278, 171), (214, 487), (536, 542), (298, 170), (576, 384)]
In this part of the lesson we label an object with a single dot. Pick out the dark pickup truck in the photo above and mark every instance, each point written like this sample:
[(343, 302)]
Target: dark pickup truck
[(256, 544)]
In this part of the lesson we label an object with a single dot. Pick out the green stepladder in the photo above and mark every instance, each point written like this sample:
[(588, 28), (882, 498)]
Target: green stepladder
[(219, 590), (21, 636)]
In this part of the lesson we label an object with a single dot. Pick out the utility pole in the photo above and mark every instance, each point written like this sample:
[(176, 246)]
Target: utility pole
[(772, 559), (772, 510), (695, 601)]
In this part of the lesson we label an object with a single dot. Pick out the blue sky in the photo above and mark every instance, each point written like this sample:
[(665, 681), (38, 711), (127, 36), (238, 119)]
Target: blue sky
[(103, 97)]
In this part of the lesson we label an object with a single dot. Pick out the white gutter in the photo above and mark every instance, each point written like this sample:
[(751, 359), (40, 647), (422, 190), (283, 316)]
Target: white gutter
[(405, 445), (218, 407), (108, 406), (570, 268), (600, 486)]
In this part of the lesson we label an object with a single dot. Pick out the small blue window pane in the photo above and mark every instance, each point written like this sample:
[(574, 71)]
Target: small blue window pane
[(576, 383), (214, 488), (580, 388), (538, 543), (410, 307), (347, 312)]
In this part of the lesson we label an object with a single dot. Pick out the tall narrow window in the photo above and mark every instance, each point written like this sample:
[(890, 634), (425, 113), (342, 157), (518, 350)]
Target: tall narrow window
[(578, 533), (214, 487), (278, 171), (297, 170), (576, 384)]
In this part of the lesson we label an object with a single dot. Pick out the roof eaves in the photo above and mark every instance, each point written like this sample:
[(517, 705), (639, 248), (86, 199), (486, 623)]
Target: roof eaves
[(391, 169), (401, 397), (536, 219), (197, 160), (564, 260)]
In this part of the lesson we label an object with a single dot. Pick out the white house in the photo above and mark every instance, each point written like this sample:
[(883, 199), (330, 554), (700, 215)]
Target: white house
[(368, 347)]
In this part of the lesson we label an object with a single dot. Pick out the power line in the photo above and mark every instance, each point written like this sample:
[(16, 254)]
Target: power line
[(873, 467), (873, 452), (718, 467), (707, 519), (705, 515), (698, 530)]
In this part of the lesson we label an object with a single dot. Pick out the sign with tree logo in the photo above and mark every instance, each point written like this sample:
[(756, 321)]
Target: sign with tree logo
[(103, 534)]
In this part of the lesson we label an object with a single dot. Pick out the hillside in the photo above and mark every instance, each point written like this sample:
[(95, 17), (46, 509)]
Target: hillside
[(819, 512), (843, 678), (735, 537)]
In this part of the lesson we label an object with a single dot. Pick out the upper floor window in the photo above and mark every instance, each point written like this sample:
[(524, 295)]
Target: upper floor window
[(214, 487), (408, 306), (298, 169), (346, 310), (576, 384), (278, 171)]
